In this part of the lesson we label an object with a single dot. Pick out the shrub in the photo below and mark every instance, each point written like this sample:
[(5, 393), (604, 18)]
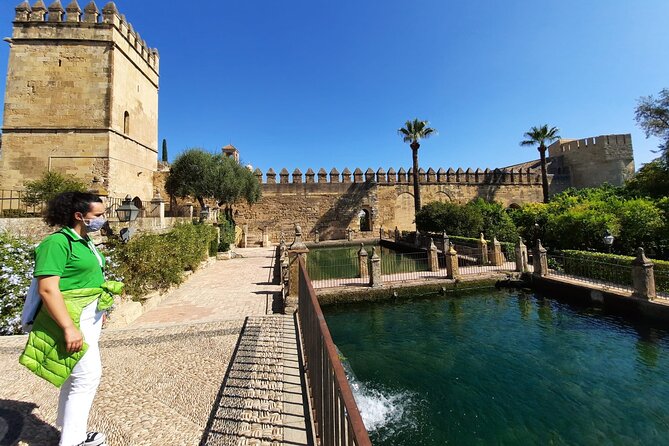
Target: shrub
[(157, 261), (227, 235), (16, 270), (49, 185)]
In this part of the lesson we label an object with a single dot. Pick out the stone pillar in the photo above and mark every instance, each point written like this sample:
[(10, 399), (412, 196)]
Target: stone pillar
[(375, 280), (643, 277), (317, 236), (189, 209), (446, 242), (245, 236), (349, 234), (483, 250), (452, 270), (158, 208), (432, 258), (540, 260), (265, 237), (497, 257), (521, 256), (381, 233), (363, 261), (296, 251), (397, 235)]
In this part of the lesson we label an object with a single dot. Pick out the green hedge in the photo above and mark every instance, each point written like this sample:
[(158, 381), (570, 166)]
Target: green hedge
[(157, 261), (596, 265)]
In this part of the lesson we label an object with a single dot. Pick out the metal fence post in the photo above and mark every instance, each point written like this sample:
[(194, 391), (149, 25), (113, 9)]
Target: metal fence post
[(643, 276)]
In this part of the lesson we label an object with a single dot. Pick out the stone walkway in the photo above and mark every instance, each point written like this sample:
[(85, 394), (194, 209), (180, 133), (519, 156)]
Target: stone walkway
[(210, 365)]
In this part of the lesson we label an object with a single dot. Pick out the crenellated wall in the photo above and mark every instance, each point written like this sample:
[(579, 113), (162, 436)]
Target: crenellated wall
[(331, 202), (81, 97), (592, 161)]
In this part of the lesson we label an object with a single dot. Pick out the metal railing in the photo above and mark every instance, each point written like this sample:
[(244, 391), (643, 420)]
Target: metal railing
[(12, 205), (336, 415), (333, 274), (611, 275), (399, 267), (661, 283)]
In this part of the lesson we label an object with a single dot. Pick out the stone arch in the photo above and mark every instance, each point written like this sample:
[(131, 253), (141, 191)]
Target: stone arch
[(514, 206), (405, 214), (443, 197)]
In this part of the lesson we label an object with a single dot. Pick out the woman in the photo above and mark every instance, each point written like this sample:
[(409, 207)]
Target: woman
[(69, 270)]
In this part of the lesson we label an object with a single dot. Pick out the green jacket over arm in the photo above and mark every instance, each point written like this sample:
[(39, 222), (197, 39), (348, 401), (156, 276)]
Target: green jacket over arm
[(46, 354)]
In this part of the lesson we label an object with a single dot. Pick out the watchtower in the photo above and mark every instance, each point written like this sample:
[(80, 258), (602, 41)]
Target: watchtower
[(81, 98)]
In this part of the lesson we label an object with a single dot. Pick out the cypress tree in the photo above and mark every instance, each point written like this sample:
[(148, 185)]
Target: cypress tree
[(164, 150)]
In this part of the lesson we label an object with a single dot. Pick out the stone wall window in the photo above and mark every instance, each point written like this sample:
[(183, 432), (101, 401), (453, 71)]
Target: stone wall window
[(126, 123), (365, 220)]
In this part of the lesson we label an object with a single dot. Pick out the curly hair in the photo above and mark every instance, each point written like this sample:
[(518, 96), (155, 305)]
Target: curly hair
[(61, 209)]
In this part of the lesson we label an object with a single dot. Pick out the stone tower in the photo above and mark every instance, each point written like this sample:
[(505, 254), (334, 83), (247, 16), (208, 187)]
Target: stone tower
[(81, 98)]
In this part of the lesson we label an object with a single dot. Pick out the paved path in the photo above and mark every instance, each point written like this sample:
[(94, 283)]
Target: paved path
[(210, 365)]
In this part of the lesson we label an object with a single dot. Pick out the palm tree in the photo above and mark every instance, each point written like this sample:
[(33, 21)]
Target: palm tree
[(412, 132), (539, 135)]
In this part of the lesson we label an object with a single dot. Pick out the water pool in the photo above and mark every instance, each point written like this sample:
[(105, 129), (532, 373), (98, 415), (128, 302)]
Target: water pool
[(504, 368)]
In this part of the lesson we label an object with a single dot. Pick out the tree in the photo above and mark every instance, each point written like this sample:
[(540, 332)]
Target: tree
[(191, 175), (652, 115), (540, 135), (164, 160), (652, 180), (200, 174), (412, 132), (50, 185)]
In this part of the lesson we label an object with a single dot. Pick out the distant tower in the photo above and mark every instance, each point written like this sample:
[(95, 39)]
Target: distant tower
[(231, 151), (81, 98)]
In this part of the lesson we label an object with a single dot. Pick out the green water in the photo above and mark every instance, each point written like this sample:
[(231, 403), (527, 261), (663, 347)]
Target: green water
[(342, 263), (504, 368)]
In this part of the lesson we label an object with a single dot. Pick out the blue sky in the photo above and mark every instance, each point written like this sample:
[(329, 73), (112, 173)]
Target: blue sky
[(313, 83)]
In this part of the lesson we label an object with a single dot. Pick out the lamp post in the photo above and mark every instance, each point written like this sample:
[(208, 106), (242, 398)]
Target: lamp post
[(608, 240), (204, 213), (127, 212)]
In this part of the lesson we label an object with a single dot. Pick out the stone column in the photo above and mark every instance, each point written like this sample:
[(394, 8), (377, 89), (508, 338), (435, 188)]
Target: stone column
[(432, 258), (375, 280), (245, 236), (189, 209), (381, 233), (296, 251), (483, 250), (317, 236), (446, 242), (643, 277), (363, 261), (397, 234), (521, 256), (265, 237), (349, 234), (158, 208), (540, 260), (452, 270), (497, 257)]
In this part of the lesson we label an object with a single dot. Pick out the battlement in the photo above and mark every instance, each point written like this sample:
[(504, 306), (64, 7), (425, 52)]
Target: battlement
[(402, 176), (602, 142), (55, 20)]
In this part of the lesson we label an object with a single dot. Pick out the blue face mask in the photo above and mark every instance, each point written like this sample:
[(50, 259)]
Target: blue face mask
[(95, 224)]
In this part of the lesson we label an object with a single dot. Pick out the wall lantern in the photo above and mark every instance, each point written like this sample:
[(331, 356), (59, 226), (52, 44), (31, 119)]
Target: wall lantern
[(127, 211)]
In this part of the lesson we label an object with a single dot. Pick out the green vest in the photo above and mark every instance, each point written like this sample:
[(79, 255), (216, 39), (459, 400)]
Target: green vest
[(46, 354)]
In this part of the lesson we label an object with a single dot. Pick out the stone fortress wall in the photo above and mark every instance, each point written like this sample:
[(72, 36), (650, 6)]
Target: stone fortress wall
[(81, 98), (590, 162), (331, 203)]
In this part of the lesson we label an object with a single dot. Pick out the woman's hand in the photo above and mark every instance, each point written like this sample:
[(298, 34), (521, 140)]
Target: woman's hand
[(74, 341)]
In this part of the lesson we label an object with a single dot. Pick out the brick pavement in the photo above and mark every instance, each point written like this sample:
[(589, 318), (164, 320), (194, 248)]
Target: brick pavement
[(168, 377)]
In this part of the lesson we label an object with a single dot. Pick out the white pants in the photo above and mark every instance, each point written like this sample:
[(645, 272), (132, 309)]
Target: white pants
[(78, 391)]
